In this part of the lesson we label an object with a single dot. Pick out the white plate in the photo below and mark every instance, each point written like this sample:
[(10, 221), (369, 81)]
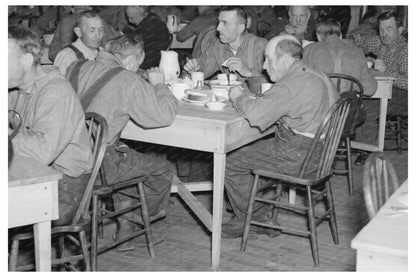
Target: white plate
[(403, 198), (198, 102), (216, 83)]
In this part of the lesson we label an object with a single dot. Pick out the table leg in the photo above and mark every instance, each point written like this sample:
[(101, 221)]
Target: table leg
[(382, 123), (218, 195), (42, 237)]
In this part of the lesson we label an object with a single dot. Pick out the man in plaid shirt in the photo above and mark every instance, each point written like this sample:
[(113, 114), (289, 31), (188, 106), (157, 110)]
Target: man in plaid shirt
[(391, 49)]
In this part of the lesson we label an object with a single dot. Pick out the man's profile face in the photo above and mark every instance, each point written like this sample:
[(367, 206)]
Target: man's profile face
[(389, 32), (276, 65), (299, 17), (228, 24), (135, 15), (92, 31), (16, 71)]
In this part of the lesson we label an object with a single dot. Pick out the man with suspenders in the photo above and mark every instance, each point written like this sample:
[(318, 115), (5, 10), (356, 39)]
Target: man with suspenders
[(297, 103), (89, 29), (110, 87)]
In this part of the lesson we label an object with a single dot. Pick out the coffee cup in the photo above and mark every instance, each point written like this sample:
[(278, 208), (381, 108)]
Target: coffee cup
[(178, 89), (197, 77), (265, 87)]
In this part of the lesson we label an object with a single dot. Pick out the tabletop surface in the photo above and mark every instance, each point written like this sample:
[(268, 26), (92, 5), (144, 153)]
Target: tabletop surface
[(25, 171), (385, 233)]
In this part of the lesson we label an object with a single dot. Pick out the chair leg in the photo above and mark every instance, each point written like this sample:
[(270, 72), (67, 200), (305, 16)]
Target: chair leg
[(312, 227), (249, 213), (332, 217), (146, 220), (94, 235), (14, 254), (399, 136), (84, 250), (349, 169), (275, 210)]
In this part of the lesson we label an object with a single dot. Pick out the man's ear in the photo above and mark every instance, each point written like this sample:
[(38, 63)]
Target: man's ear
[(241, 27), (27, 61), (77, 31), (400, 29)]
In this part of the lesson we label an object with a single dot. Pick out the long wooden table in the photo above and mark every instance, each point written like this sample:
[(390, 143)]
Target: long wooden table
[(383, 92), (382, 245), (198, 128), (33, 199)]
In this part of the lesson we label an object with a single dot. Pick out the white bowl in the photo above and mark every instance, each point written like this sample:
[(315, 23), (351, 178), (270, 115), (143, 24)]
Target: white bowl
[(223, 76), (215, 106)]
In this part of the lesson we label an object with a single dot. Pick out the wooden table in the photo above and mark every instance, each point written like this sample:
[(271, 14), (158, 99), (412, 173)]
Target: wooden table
[(383, 92), (33, 199), (382, 244), (198, 128)]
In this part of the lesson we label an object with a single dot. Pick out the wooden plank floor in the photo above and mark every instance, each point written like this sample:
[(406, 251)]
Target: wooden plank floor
[(187, 243)]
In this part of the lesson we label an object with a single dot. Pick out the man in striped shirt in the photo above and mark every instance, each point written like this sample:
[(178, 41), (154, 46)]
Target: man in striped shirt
[(154, 33), (391, 50)]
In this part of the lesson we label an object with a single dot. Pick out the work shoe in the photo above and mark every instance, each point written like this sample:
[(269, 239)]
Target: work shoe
[(360, 160)]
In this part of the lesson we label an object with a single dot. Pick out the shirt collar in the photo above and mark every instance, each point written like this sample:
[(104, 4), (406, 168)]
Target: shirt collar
[(109, 59), (88, 52), (40, 81)]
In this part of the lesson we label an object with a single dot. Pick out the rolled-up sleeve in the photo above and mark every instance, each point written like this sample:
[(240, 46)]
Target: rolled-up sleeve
[(264, 111)]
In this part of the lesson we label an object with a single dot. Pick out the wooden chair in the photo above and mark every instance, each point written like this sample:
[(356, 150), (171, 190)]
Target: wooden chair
[(101, 212), (97, 131), (317, 185), (351, 89), (380, 182), (15, 121)]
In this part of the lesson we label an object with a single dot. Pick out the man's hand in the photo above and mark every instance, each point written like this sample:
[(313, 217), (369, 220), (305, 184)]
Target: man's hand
[(379, 65), (236, 64), (192, 65), (155, 76), (235, 93), (290, 29)]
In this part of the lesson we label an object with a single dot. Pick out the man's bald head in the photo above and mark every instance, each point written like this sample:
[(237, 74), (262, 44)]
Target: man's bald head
[(281, 52), (285, 44)]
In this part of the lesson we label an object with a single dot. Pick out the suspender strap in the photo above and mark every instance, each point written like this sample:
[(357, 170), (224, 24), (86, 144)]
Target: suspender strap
[(78, 53), (73, 77), (251, 53), (96, 87)]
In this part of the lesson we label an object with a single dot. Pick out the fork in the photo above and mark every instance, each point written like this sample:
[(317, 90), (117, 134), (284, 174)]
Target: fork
[(227, 72)]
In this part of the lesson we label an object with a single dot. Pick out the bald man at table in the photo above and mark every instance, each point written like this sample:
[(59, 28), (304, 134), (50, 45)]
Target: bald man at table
[(297, 102), (235, 48)]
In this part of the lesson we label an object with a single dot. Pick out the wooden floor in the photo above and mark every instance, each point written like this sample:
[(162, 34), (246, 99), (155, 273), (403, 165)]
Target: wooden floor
[(187, 243)]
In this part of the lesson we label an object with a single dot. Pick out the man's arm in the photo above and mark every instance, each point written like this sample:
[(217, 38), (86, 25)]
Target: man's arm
[(401, 72), (151, 106), (44, 140), (264, 111)]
